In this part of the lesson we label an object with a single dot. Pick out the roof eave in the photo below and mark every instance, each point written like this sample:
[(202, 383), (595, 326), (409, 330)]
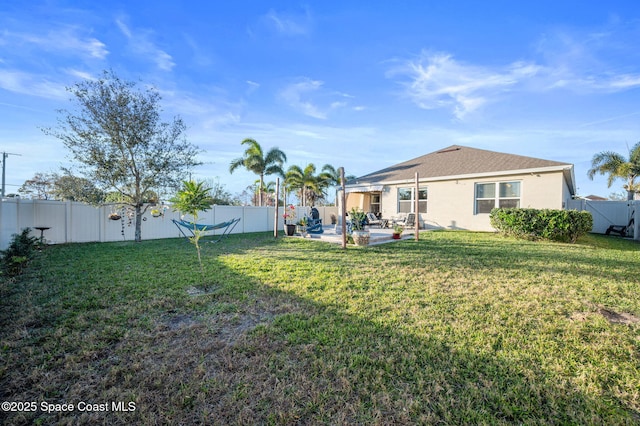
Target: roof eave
[(565, 168)]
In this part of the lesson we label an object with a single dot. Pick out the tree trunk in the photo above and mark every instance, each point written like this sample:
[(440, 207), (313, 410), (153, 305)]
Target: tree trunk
[(260, 190), (138, 236)]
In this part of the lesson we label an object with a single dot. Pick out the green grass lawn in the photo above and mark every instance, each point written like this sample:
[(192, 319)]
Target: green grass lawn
[(458, 328)]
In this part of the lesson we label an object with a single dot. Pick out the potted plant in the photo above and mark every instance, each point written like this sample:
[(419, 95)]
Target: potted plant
[(303, 226), (397, 231), (156, 212), (289, 217), (358, 233)]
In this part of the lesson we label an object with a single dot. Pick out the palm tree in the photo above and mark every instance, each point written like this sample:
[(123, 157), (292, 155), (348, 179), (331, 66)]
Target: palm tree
[(310, 185), (332, 176), (256, 161), (269, 189), (194, 197), (617, 166)]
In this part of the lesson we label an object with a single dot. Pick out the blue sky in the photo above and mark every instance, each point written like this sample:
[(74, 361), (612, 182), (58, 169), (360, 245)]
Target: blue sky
[(362, 85)]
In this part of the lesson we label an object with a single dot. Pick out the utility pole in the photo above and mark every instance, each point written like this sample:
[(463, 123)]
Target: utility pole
[(4, 163)]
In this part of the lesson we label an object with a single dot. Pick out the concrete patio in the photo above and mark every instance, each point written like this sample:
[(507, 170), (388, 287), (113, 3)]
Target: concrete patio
[(377, 235)]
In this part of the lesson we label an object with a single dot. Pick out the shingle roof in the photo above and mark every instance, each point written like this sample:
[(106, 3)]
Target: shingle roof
[(456, 160)]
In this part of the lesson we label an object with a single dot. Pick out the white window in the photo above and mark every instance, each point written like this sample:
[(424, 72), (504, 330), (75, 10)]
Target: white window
[(406, 200), (487, 198)]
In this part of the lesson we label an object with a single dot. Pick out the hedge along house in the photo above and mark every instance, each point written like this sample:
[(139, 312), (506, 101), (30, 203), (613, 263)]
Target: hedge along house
[(458, 187)]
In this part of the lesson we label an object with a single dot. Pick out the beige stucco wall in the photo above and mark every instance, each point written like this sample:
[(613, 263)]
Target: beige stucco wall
[(358, 200), (451, 203)]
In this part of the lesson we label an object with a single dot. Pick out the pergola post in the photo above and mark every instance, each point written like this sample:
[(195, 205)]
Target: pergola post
[(275, 219), (343, 209), (417, 209)]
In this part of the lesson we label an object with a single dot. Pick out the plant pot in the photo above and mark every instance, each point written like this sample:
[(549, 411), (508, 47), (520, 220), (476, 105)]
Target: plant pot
[(114, 216), (360, 238), (290, 229), (395, 236)]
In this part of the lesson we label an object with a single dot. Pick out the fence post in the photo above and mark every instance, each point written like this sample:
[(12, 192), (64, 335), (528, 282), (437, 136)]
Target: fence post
[(636, 221), (275, 216), (343, 208), (68, 214), (417, 207)]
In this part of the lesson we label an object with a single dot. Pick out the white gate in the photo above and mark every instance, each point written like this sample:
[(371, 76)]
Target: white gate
[(607, 213)]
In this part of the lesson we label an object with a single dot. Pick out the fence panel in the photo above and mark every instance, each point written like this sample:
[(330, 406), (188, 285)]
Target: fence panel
[(8, 222), (77, 222), (52, 214)]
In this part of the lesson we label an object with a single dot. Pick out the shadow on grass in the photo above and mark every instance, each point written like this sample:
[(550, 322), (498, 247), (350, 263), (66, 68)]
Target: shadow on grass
[(253, 351)]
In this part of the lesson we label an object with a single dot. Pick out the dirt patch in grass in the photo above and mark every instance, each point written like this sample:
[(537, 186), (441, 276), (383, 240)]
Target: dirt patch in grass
[(618, 318), (225, 326), (610, 315), (200, 291)]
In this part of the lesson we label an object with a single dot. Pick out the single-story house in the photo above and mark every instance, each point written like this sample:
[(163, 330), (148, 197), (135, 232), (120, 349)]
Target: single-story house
[(459, 185), (595, 198)]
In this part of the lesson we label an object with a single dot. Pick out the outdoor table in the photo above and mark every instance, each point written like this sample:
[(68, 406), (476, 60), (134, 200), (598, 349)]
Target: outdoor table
[(42, 229)]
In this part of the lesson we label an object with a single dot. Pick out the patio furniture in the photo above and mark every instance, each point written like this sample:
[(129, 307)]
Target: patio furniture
[(42, 229), (622, 229), (409, 221), (227, 227), (372, 220)]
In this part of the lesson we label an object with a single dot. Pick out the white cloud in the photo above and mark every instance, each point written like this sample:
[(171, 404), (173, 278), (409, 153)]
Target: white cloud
[(82, 75), (309, 97), (625, 81), (436, 80), (288, 23), (65, 40), (141, 44), (589, 62), (252, 86), (294, 93), (31, 84)]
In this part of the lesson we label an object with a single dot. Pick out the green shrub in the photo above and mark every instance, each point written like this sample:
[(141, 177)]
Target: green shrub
[(14, 259), (533, 224)]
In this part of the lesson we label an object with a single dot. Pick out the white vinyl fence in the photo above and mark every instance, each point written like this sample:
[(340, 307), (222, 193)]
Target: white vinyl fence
[(607, 213), (71, 222)]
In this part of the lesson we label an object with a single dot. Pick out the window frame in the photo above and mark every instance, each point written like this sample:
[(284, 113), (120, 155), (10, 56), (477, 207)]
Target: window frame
[(423, 203), (375, 207), (497, 198)]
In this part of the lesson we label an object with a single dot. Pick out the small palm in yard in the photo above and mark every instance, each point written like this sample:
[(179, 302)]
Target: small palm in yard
[(193, 198)]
